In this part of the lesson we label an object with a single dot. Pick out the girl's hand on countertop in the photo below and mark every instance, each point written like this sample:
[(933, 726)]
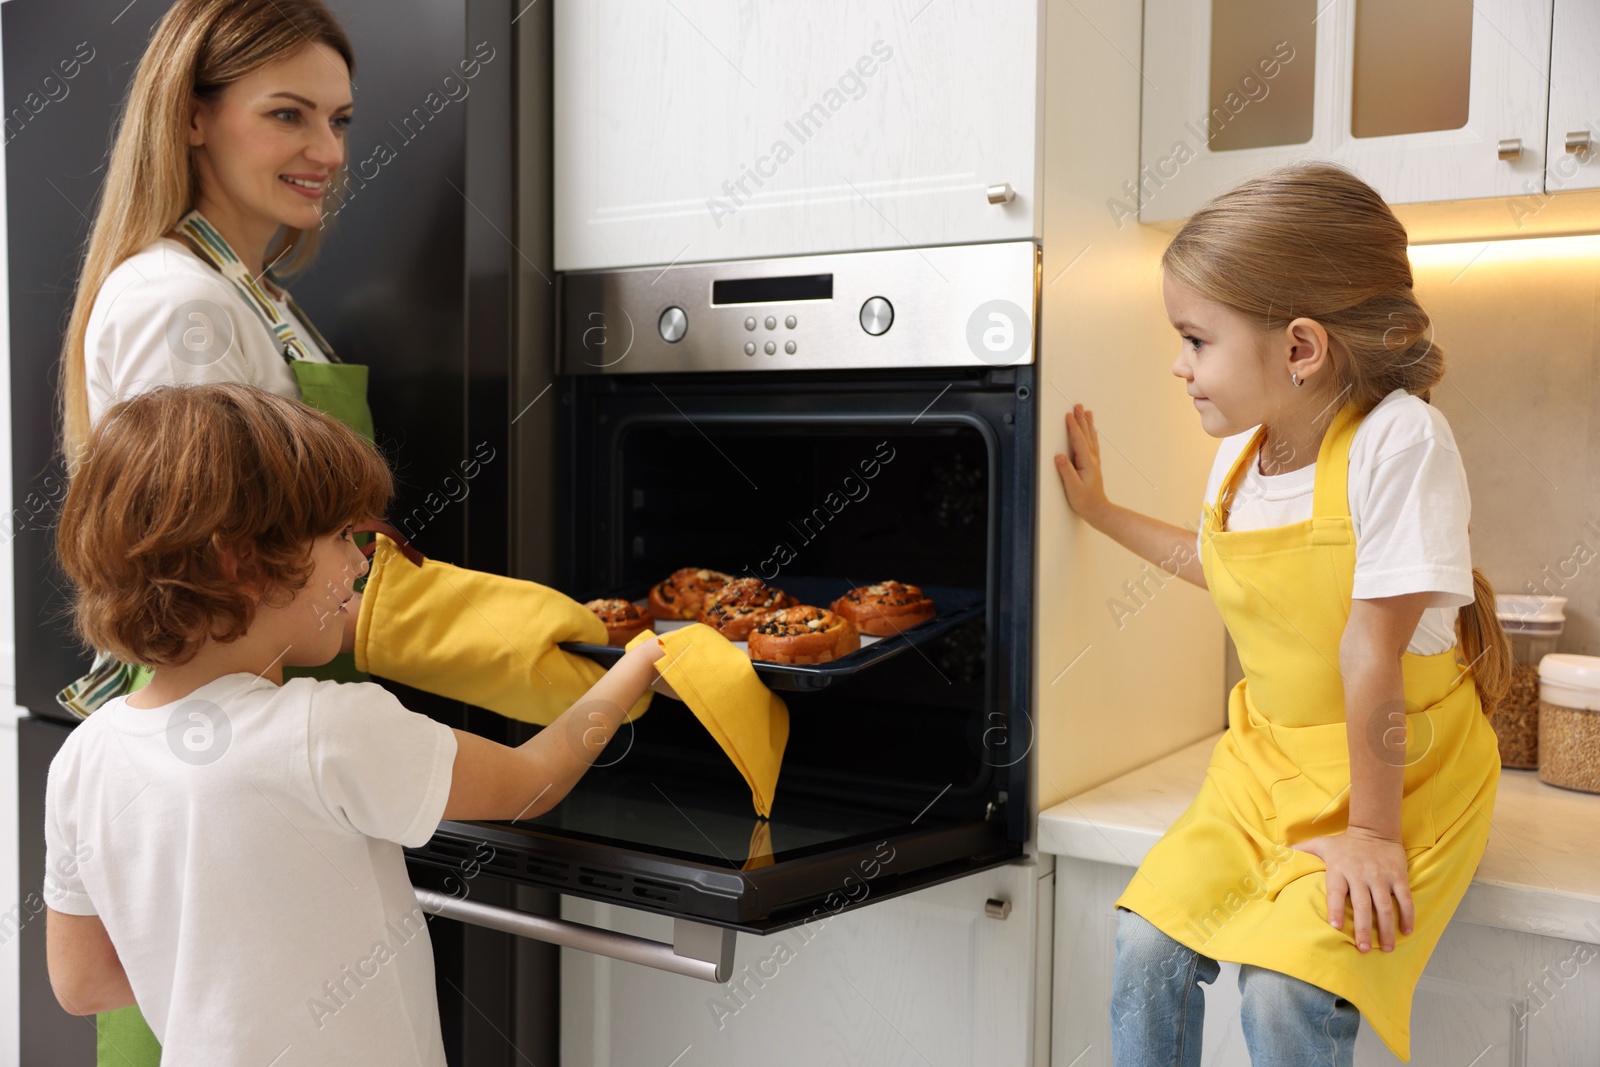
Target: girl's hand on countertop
[(1080, 472), (1371, 871)]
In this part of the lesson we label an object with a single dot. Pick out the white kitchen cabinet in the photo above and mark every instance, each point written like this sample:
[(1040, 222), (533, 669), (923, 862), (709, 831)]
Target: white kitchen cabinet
[(1431, 100), (928, 978), (1231, 88), (1574, 97), (1455, 79), (711, 129)]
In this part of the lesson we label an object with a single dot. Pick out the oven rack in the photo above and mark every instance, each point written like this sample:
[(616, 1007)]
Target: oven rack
[(956, 606)]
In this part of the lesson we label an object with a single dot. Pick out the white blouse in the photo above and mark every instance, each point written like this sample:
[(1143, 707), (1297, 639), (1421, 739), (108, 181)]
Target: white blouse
[(166, 317), (1409, 506)]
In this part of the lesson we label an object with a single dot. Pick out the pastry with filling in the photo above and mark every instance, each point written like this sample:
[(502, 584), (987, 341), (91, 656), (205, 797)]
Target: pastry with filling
[(885, 608), (803, 634), (682, 595), (624, 619), (737, 606)]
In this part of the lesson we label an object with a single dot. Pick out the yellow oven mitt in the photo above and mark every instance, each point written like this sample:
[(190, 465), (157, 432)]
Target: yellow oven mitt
[(484, 639), (723, 690)]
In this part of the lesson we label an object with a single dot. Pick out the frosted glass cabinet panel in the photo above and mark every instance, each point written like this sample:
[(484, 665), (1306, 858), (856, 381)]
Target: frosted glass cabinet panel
[(1247, 109), (1231, 88), (1412, 66), (1434, 152)]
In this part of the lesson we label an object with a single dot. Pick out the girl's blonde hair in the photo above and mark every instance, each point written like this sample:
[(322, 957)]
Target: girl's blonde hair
[(199, 48), (1315, 241)]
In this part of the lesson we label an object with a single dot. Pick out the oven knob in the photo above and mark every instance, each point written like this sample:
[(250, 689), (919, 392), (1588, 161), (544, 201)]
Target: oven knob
[(877, 316), (673, 325)]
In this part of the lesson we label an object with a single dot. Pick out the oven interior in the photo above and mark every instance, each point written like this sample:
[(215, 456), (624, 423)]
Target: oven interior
[(850, 485)]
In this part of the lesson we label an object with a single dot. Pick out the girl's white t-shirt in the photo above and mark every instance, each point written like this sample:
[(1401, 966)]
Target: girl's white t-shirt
[(1408, 503), (166, 317), (242, 847)]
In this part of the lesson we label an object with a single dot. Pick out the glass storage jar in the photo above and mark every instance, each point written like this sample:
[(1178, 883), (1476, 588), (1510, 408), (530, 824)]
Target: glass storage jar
[(1569, 721), (1533, 623)]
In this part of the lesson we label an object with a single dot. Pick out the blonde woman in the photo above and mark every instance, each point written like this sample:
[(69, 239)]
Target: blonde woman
[(1344, 809), (233, 131)]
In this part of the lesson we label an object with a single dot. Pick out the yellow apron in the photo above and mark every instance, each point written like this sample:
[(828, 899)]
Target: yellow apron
[(1224, 880)]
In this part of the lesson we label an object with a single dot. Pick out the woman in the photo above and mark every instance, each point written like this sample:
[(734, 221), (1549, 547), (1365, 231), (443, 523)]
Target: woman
[(233, 131)]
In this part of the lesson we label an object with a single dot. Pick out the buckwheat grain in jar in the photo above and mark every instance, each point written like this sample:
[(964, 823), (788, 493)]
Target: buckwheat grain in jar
[(1533, 623), (1569, 721)]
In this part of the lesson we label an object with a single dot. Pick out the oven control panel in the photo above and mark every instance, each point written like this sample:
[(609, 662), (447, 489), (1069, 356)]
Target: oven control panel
[(947, 306)]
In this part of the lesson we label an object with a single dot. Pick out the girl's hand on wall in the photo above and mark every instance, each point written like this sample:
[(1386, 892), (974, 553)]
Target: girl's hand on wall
[(1370, 871), (1080, 472)]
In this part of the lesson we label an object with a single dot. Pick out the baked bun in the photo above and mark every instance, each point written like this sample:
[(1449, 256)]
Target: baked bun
[(735, 608), (624, 620), (680, 596), (803, 634), (886, 608)]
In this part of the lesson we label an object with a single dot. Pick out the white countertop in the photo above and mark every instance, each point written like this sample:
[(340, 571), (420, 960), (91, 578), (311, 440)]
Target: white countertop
[(1540, 873)]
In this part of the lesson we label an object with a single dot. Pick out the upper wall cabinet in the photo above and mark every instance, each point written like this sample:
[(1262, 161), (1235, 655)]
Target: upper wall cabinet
[(713, 129), (1574, 144), (1426, 100)]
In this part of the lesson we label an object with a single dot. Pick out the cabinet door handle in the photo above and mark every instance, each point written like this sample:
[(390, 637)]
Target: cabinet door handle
[(1511, 148), (697, 950), (1578, 141), (1002, 193)]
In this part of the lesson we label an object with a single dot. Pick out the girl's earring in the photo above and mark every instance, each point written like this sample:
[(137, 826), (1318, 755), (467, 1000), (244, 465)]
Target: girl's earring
[(1294, 377)]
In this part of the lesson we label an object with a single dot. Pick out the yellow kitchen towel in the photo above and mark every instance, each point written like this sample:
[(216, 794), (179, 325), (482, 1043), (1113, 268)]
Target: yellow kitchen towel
[(484, 639), (723, 690)]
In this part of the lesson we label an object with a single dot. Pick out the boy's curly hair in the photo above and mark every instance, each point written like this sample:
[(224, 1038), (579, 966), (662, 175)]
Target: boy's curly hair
[(174, 476)]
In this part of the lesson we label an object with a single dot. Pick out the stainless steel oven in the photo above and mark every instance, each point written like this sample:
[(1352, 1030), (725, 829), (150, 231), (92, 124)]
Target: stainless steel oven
[(820, 422)]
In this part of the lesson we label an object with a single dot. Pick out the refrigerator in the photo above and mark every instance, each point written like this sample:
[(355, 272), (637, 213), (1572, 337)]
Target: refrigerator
[(418, 277)]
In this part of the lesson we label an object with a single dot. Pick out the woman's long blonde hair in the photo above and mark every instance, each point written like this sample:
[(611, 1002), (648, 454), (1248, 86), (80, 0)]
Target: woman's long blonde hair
[(1315, 241), (198, 49)]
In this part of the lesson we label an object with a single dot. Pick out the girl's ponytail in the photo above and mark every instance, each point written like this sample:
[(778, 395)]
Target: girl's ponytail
[(1484, 644)]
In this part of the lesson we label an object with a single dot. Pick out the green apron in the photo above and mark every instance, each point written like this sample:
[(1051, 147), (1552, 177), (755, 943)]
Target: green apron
[(335, 388)]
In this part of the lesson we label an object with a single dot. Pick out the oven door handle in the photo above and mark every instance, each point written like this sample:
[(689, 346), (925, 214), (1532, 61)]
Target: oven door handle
[(698, 950)]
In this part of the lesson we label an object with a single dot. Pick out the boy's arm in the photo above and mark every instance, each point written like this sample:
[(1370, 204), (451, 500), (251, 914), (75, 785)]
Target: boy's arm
[(85, 971), (493, 781)]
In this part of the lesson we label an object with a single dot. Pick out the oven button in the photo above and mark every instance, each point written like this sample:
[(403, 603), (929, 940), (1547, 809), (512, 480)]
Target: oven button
[(789, 322), (769, 348), (788, 346), (750, 322), (673, 325), (877, 316), (749, 348), (772, 323)]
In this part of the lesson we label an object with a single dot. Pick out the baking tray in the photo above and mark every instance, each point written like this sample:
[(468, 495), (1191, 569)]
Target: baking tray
[(956, 606)]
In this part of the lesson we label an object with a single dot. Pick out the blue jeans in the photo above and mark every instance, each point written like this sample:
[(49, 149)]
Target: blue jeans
[(1158, 1008)]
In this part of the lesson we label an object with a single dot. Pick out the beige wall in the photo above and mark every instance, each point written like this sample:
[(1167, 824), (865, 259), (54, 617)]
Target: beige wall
[(1517, 321), (1152, 681)]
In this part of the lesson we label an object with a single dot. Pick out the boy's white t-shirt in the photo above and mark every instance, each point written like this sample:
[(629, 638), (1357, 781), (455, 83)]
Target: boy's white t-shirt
[(162, 317), (1408, 503), (242, 847)]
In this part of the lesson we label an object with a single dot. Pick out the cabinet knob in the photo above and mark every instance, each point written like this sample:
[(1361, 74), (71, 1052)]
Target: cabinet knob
[(1511, 148), (1578, 141), (997, 909), (1002, 193)]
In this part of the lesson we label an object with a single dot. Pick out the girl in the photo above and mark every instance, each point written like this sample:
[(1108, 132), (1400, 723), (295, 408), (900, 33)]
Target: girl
[(225, 846), (1347, 805)]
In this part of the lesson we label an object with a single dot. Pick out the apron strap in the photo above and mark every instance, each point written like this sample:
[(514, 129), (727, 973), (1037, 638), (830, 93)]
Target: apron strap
[(1331, 497), (204, 240)]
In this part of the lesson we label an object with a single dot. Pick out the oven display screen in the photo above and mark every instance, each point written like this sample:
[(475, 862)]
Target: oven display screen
[(772, 290)]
